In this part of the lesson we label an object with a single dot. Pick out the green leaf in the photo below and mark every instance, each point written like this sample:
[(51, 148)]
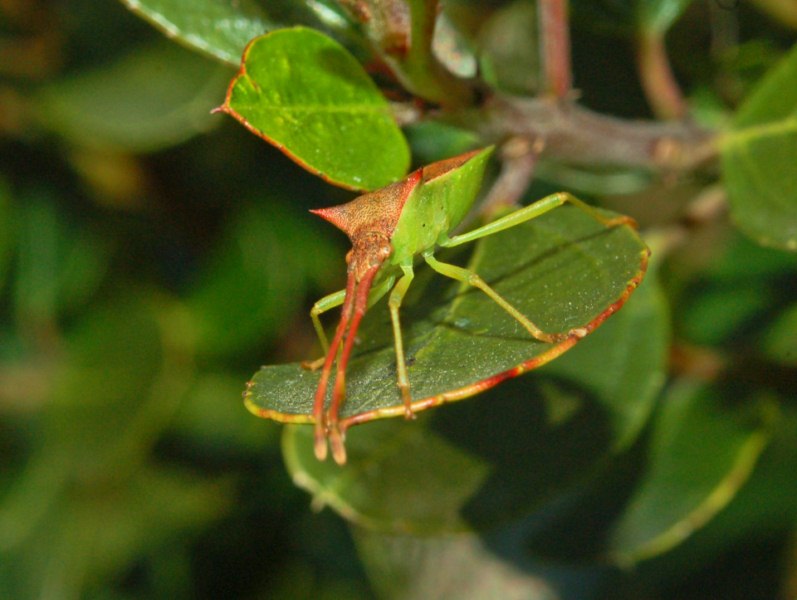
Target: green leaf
[(6, 230), (461, 566), (659, 15), (728, 301), (758, 158), (94, 530), (430, 140), (400, 477), (220, 28), (766, 501), (764, 505), (624, 370), (628, 16), (702, 452), (780, 340), (254, 254), (520, 447), (510, 50), (563, 270), (59, 263), (115, 355), (307, 95), (111, 359), (599, 181), (212, 422), (156, 97), (784, 12)]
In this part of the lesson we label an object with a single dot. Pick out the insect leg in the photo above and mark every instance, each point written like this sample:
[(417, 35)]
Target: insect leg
[(331, 301), (532, 211), (380, 290), (471, 278), (360, 305), (321, 390), (394, 303), (320, 307)]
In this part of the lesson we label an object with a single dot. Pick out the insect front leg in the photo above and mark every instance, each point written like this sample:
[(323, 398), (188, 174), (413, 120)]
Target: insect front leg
[(331, 301), (320, 307), (394, 304), (471, 278)]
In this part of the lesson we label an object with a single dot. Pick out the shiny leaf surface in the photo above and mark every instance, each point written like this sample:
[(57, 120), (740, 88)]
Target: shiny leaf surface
[(563, 270), (306, 94), (758, 157)]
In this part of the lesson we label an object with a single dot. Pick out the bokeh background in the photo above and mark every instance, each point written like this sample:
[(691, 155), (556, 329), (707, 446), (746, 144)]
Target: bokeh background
[(153, 256)]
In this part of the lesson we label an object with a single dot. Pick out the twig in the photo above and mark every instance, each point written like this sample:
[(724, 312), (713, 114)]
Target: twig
[(518, 159), (555, 46), (661, 88), (579, 136)]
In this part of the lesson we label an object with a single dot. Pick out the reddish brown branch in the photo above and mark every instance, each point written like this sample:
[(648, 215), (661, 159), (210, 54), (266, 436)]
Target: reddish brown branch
[(577, 136), (555, 46), (518, 159), (661, 88), (401, 34)]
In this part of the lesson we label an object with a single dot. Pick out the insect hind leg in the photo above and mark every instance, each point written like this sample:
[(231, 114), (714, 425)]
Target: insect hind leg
[(473, 279), (331, 301)]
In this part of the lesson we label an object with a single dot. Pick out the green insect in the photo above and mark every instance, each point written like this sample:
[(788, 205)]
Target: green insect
[(389, 229)]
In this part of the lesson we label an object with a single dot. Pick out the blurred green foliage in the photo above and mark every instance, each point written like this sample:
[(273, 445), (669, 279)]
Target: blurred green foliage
[(153, 256)]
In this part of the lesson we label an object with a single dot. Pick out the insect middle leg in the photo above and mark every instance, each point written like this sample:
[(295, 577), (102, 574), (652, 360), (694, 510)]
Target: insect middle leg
[(471, 278), (394, 304)]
